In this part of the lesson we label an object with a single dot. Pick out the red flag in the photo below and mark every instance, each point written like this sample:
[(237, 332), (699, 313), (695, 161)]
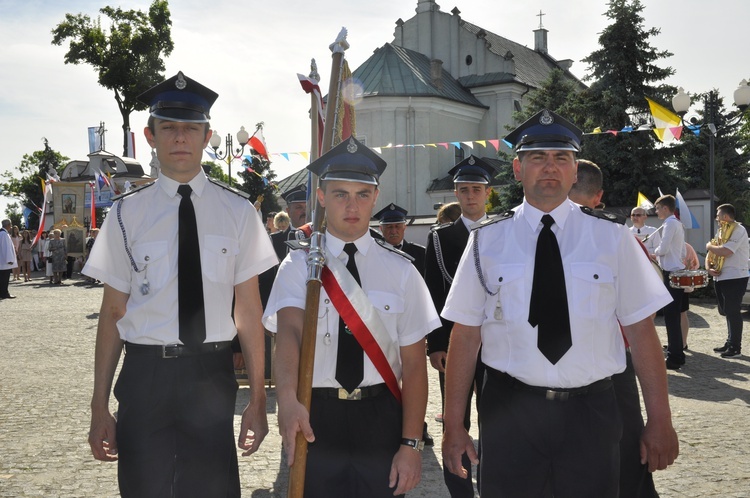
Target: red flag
[(311, 86), (346, 123), (93, 206), (258, 143), (43, 216)]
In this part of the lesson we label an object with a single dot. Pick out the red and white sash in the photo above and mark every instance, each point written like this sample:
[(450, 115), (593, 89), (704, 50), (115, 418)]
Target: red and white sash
[(363, 320)]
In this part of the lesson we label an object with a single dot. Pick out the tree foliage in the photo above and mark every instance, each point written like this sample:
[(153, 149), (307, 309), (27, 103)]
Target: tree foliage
[(128, 57), (28, 187)]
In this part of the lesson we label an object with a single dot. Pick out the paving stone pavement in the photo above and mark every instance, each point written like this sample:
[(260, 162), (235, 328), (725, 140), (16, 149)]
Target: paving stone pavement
[(46, 372)]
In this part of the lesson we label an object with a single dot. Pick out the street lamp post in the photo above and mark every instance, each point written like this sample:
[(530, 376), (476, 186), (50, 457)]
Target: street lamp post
[(229, 154), (681, 104)]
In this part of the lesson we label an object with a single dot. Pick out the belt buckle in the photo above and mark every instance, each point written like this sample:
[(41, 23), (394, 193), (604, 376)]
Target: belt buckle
[(355, 395), (170, 350), (552, 395)]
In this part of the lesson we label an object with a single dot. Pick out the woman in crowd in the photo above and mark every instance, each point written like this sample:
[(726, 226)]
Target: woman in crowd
[(24, 255), (15, 236), (57, 256)]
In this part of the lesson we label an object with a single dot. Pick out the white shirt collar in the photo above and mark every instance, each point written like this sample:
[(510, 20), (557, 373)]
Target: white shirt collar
[(336, 245), (560, 214), (468, 223), (198, 183)]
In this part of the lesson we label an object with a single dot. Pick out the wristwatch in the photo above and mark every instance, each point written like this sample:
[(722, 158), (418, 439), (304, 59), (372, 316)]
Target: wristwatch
[(417, 444)]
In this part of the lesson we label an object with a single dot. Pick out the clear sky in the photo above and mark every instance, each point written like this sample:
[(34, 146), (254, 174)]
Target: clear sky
[(249, 53)]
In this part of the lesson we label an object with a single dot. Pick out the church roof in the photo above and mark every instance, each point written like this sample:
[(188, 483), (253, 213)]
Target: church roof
[(532, 67), (397, 71)]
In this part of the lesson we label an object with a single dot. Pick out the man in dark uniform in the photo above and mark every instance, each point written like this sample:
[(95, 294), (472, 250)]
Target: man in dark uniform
[(296, 203), (445, 245), (393, 226), (172, 259)]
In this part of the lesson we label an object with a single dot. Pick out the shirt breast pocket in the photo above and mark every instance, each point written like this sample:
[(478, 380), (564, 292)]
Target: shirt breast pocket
[(153, 259), (218, 258), (592, 290), (508, 304), (389, 307)]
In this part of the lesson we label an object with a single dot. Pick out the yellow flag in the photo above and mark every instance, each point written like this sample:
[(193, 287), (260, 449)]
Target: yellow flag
[(664, 120), (644, 202)]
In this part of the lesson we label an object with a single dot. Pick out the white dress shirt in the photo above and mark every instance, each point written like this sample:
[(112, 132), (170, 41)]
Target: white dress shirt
[(607, 280), (653, 241), (394, 287), (234, 247), (671, 249)]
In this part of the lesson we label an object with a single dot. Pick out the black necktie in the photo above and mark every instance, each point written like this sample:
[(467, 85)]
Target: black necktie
[(192, 315), (639, 230), (549, 300), (350, 357)]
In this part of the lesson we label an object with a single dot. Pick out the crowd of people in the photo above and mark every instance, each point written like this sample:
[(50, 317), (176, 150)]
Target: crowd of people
[(543, 315), (48, 254)]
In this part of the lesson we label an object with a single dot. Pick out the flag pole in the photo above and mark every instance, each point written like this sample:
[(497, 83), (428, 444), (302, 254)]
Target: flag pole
[(315, 261), (315, 142)]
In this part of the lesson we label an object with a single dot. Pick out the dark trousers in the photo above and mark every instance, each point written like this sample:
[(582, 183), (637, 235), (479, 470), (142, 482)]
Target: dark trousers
[(535, 447), (4, 282), (635, 479), (355, 442), (729, 295), (459, 487), (673, 324), (175, 427)]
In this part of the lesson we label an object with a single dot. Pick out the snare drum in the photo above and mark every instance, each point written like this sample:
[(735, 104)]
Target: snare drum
[(688, 279)]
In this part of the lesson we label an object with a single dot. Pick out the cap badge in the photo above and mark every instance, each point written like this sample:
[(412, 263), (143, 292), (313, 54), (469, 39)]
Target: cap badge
[(351, 147), (472, 161), (180, 83), (546, 118), (392, 207)]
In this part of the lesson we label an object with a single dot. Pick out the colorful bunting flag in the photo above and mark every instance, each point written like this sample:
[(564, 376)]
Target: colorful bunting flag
[(665, 120)]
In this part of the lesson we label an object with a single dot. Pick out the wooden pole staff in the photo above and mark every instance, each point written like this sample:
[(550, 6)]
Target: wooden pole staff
[(315, 261)]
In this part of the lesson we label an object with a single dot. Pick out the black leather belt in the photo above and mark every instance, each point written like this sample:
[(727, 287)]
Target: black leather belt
[(551, 393), (175, 350), (356, 395)]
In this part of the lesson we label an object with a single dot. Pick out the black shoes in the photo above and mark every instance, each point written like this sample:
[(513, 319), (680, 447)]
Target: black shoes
[(428, 440), (8, 297), (731, 351), (672, 364), (722, 349)]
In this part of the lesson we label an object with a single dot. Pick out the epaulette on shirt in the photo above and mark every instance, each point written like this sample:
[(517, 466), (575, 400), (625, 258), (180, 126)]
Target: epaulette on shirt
[(603, 215), (132, 191), (489, 221), (443, 225), (223, 185), (387, 246), (295, 244)]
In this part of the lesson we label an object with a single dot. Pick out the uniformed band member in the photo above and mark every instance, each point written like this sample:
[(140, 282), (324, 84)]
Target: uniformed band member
[(670, 254), (635, 479), (392, 220), (646, 234), (172, 255), (445, 245), (362, 440), (731, 281), (543, 298)]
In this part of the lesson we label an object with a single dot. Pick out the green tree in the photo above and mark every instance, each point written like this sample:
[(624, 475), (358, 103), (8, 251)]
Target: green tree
[(128, 58), (731, 160), (13, 213), (33, 167), (625, 71)]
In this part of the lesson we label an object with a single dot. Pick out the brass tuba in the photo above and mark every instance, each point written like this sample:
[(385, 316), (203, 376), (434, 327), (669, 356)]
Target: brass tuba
[(714, 262)]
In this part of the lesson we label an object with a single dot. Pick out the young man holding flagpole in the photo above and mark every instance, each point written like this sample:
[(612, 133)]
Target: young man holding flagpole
[(369, 377)]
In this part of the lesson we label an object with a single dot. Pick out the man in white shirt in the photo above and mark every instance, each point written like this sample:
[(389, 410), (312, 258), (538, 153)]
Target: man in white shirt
[(8, 261), (670, 254), (172, 257), (731, 281), (549, 419), (362, 428), (642, 231)]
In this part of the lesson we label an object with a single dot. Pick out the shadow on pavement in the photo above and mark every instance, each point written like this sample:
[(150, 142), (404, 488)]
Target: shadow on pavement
[(703, 376)]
